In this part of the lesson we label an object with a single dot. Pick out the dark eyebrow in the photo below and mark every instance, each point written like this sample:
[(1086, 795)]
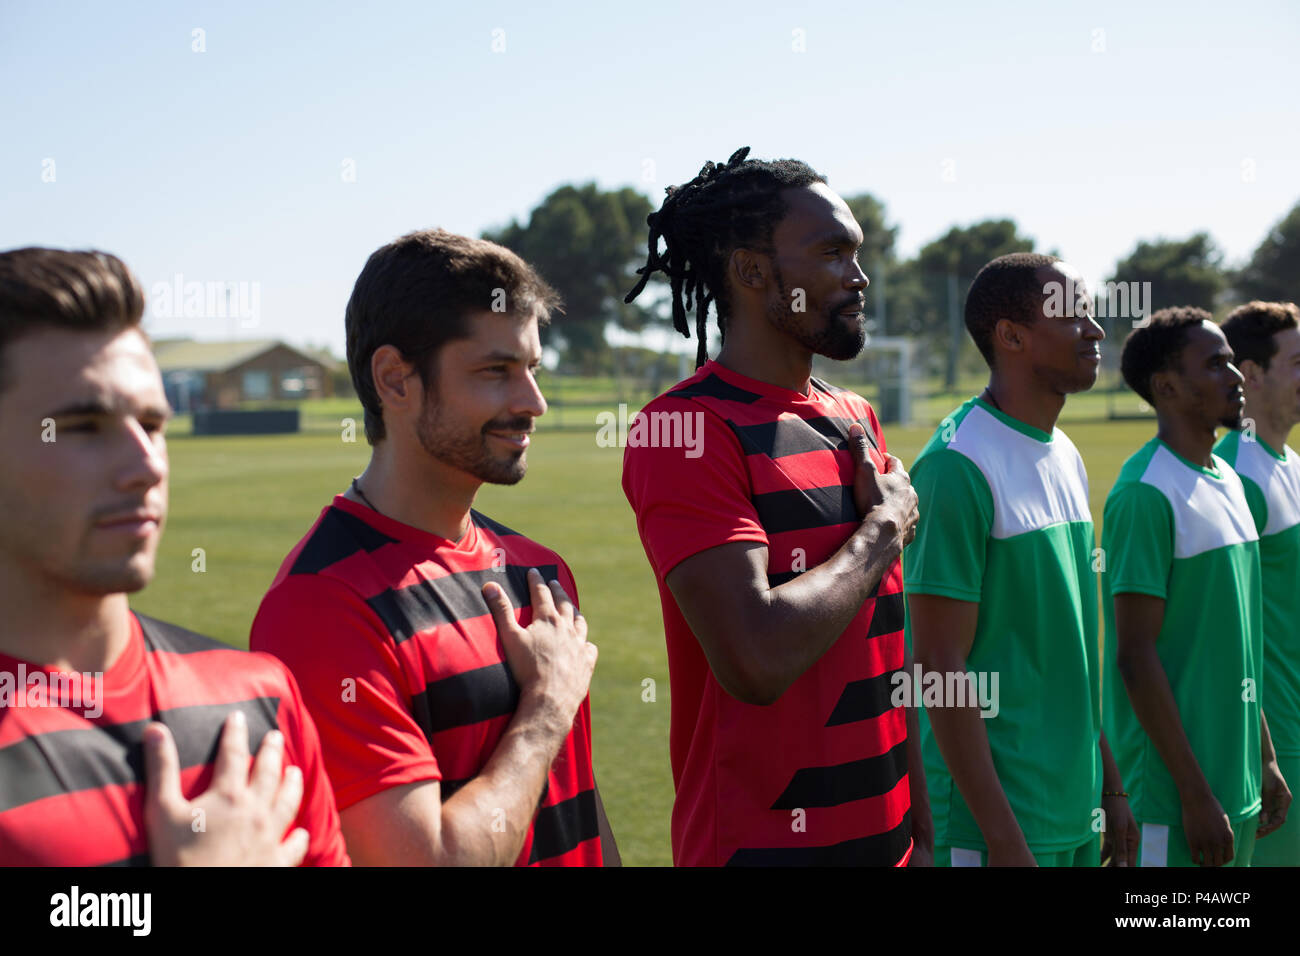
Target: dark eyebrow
[(838, 237), (96, 407), (499, 356)]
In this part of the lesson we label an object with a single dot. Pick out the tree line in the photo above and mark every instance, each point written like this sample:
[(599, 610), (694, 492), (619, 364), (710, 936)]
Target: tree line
[(588, 243)]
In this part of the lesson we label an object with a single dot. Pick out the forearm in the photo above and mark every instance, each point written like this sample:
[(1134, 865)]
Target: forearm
[(1266, 752), (797, 622), (485, 822), (1111, 781), (964, 743), (1154, 706)]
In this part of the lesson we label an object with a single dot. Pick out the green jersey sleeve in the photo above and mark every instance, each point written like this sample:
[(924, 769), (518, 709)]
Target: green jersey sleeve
[(956, 514), (1137, 540)]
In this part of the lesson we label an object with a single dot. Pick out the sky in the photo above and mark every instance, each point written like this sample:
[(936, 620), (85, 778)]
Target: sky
[(274, 147)]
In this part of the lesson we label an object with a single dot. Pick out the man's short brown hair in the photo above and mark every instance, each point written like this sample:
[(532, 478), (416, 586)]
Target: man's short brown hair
[(419, 292), (85, 291), (1250, 329)]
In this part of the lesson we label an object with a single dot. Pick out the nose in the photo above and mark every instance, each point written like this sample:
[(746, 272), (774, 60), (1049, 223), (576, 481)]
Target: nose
[(529, 399), (1236, 373), (144, 459), (857, 279), (1093, 330)]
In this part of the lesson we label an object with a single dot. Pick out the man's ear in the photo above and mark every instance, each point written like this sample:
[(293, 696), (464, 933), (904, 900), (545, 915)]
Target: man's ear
[(1251, 372), (1164, 384), (395, 380), (1010, 335), (749, 269)]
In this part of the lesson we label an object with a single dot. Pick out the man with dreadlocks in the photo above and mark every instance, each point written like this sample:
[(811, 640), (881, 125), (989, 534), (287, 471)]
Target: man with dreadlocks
[(776, 544)]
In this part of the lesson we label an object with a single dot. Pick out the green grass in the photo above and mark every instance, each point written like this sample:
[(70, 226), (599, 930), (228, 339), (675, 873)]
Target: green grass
[(246, 501)]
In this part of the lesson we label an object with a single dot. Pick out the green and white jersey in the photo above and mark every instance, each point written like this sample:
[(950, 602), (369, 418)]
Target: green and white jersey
[(1272, 483), (1184, 533), (1005, 523)]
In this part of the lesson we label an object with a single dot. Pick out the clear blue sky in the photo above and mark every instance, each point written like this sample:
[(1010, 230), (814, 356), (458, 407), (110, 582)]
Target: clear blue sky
[(227, 164)]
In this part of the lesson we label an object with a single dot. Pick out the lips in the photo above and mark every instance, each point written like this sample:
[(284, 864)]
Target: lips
[(516, 439), (138, 524)]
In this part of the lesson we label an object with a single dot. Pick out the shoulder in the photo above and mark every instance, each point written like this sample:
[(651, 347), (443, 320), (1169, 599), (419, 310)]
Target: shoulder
[(336, 536), (513, 543), (175, 650), (168, 638), (1137, 469)]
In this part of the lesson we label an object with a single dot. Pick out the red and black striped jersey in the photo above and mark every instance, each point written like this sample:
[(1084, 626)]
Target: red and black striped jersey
[(72, 764), (820, 776), (387, 631)]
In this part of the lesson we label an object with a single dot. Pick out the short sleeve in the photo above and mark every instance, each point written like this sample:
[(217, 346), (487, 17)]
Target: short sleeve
[(947, 557), (683, 504), (352, 684), (1137, 540), (318, 814)]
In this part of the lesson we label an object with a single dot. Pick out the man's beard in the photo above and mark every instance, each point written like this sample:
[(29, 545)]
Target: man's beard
[(839, 337), (468, 450), (1233, 421)]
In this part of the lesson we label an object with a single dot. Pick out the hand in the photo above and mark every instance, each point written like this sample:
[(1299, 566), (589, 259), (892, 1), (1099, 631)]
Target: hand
[(1119, 840), (1275, 801), (551, 657), (1208, 831), (889, 496), (240, 820)]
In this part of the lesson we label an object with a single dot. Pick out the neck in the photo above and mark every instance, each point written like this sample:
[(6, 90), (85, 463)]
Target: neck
[(1191, 439), (47, 624), (1272, 431), (757, 350), (1020, 398), (417, 490)]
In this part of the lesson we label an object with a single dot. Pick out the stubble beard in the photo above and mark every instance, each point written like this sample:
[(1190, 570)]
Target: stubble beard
[(838, 338), (468, 451)]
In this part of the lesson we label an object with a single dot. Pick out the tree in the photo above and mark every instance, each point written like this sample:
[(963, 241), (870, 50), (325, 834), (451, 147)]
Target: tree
[(931, 289), (1273, 273), (588, 243), (1187, 272)]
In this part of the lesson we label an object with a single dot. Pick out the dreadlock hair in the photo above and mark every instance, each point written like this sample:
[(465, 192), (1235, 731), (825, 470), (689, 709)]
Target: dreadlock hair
[(728, 206)]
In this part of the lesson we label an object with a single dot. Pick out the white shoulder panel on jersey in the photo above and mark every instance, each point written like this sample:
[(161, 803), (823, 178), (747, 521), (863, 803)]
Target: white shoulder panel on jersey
[(1279, 482), (1034, 484), (1208, 512)]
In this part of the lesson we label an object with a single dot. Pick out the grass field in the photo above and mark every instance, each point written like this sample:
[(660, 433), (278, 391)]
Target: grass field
[(246, 501)]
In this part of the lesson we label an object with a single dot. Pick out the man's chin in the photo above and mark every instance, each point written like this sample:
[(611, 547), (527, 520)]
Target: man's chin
[(504, 472), (845, 345), (105, 581)]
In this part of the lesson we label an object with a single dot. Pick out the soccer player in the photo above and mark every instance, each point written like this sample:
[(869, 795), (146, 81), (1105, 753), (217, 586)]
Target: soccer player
[(123, 740), (1001, 586), (1265, 342), (775, 537), (1183, 618), (441, 653)]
